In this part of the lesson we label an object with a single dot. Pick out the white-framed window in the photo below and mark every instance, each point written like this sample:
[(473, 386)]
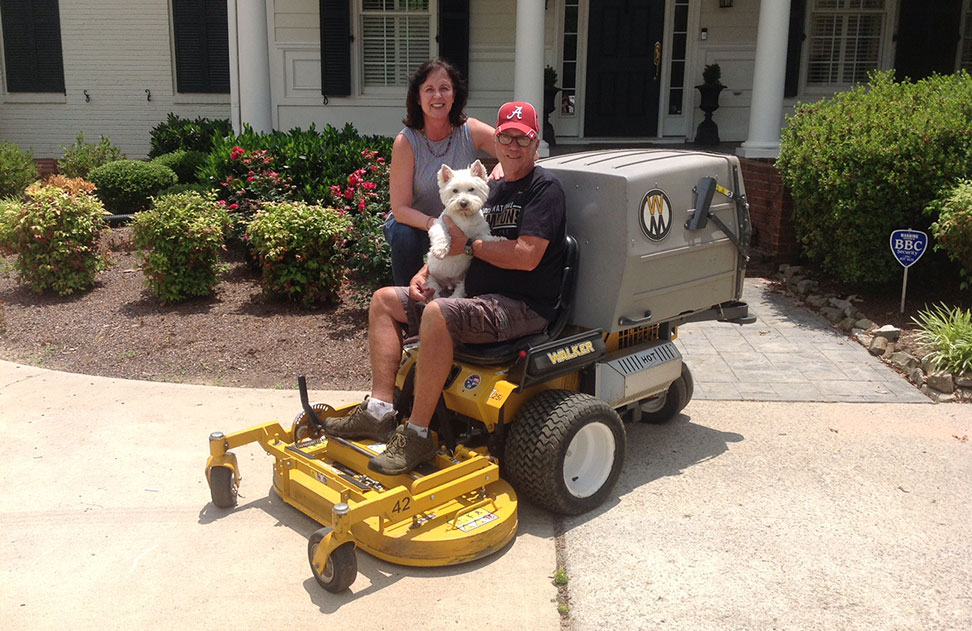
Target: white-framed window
[(568, 77), (846, 39), (396, 37)]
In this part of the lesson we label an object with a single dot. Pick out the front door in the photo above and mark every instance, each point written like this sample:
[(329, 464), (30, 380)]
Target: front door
[(927, 38), (624, 53)]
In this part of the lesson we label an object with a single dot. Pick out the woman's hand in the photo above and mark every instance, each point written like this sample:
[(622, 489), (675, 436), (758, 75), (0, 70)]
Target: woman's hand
[(497, 172)]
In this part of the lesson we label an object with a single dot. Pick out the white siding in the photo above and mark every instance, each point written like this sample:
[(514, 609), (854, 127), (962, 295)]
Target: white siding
[(296, 73), (114, 49)]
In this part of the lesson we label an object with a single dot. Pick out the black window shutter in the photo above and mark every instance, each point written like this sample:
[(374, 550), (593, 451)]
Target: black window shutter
[(201, 46), (798, 10), (453, 34), (335, 47), (32, 45)]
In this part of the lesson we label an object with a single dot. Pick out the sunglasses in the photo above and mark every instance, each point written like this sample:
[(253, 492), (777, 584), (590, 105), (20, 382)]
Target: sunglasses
[(506, 139)]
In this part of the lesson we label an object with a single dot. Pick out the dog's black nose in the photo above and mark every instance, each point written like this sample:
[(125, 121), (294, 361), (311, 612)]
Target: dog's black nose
[(463, 203)]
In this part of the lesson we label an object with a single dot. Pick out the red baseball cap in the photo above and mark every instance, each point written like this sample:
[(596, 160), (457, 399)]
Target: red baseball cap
[(518, 115)]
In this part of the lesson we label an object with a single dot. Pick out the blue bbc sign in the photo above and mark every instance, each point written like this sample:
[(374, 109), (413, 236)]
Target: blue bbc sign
[(908, 246)]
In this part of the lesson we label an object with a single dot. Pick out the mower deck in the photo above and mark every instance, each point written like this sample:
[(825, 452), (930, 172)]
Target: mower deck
[(451, 510)]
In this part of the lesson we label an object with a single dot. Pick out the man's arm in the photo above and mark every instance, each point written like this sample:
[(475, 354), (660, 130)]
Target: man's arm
[(523, 253)]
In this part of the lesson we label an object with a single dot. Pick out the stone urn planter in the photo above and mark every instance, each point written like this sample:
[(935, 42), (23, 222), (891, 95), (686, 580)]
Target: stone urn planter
[(707, 132), (550, 91)]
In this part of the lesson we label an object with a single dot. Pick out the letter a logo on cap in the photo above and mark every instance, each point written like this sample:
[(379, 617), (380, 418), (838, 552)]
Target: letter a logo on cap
[(517, 112)]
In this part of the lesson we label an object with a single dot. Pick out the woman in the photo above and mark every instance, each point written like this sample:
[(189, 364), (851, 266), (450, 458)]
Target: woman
[(436, 132)]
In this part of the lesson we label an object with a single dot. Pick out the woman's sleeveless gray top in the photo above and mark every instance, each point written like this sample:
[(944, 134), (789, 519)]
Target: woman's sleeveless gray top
[(461, 153)]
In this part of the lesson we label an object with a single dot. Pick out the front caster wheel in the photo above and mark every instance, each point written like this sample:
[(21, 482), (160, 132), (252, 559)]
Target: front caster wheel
[(222, 487), (341, 567)]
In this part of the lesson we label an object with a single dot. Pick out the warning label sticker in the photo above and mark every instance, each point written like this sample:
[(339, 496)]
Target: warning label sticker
[(474, 519)]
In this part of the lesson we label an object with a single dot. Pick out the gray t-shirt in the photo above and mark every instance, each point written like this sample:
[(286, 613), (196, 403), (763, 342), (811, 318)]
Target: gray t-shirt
[(457, 150)]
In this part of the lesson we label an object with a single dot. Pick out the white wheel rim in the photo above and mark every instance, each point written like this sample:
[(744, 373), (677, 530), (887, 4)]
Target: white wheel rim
[(589, 459), (655, 403)]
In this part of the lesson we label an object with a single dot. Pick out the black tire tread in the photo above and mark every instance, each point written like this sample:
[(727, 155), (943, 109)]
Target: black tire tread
[(533, 448), (343, 561), (222, 488)]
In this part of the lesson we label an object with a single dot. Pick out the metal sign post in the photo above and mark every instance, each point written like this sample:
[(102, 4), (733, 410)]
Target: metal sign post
[(907, 247)]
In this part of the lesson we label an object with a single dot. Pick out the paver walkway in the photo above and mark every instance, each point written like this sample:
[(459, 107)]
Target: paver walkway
[(789, 354)]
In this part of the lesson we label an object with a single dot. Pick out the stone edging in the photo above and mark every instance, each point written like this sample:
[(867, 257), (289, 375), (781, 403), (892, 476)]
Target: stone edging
[(880, 341)]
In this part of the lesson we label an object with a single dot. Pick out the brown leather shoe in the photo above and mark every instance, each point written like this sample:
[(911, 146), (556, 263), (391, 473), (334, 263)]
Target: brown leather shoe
[(361, 424), (405, 451)]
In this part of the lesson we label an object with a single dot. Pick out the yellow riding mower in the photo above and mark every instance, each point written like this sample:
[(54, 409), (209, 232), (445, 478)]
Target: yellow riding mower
[(652, 248)]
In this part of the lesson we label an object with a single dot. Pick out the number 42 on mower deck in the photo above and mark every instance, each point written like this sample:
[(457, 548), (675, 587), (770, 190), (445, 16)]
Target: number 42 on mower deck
[(652, 247)]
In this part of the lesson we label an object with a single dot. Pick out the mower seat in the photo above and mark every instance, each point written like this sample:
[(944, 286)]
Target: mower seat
[(505, 352)]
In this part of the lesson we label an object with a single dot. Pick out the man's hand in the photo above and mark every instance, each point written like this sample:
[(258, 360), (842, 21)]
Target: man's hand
[(418, 290), (457, 238), (497, 172)]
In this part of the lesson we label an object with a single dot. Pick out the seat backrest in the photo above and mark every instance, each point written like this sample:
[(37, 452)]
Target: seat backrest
[(568, 281), (503, 352)]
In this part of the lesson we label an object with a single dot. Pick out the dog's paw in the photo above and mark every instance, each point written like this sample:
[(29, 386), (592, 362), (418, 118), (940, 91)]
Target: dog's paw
[(439, 250), (459, 291)]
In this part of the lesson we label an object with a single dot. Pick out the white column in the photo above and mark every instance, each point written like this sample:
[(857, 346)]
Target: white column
[(234, 67), (528, 64), (769, 76), (253, 53)]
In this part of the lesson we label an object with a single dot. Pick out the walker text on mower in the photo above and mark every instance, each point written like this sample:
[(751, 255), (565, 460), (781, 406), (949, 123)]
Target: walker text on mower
[(659, 239)]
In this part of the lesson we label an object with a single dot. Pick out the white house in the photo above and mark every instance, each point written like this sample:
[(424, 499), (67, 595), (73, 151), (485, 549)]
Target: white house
[(627, 68)]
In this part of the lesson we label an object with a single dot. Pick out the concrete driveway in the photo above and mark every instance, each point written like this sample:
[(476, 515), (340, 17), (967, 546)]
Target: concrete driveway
[(742, 515)]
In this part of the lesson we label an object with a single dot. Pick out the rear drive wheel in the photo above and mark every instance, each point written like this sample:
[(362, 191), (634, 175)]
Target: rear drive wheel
[(222, 488), (341, 567), (665, 406), (565, 451)]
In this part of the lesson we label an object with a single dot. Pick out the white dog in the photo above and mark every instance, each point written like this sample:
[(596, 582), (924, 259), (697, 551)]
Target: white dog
[(463, 193)]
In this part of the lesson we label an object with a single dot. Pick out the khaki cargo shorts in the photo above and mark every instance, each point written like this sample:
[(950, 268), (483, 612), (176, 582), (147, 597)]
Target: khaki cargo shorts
[(479, 320)]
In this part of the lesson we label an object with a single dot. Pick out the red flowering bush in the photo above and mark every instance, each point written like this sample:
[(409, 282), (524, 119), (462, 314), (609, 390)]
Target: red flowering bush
[(365, 200), (253, 181)]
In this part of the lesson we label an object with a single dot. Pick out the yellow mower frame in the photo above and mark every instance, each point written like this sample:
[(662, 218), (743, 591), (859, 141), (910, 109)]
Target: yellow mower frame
[(664, 251)]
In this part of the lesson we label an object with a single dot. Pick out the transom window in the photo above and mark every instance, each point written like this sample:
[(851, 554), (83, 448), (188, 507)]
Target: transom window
[(845, 41), (395, 39)]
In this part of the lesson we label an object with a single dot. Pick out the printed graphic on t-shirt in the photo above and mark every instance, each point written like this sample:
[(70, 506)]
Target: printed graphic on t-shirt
[(502, 219)]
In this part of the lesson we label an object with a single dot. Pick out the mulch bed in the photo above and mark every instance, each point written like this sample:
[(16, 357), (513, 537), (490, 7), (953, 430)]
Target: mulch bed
[(235, 338)]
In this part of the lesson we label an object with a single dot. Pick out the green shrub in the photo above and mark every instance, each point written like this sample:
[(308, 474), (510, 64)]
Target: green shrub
[(300, 250), (179, 240), (9, 213), (81, 157), (313, 160), (947, 334), (184, 164), (17, 170), (953, 228), (867, 162), (365, 200), (177, 133), (55, 236), (202, 189), (126, 186)]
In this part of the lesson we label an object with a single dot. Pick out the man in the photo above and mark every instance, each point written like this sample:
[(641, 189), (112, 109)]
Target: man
[(513, 286)]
